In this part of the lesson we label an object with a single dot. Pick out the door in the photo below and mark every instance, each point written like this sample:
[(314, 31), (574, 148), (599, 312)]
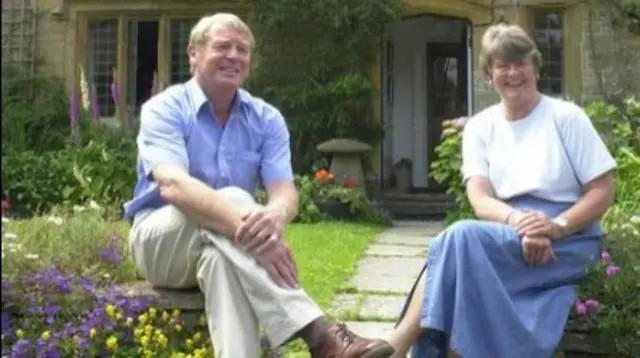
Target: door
[(447, 93)]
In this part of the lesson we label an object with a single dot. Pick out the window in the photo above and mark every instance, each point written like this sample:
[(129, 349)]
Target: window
[(148, 65), (548, 34), (180, 32), (103, 48)]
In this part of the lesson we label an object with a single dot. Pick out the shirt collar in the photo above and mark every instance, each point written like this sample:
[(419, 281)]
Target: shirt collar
[(199, 99)]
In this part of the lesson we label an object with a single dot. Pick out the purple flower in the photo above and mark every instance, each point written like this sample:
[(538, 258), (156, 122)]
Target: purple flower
[(115, 88), (20, 349), (580, 308), (612, 270), (592, 304), (606, 257), (111, 256)]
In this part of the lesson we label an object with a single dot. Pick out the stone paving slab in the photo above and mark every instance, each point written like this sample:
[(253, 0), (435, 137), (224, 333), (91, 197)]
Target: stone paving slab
[(371, 329), (392, 237), (343, 303), (387, 273), (385, 307), (395, 250)]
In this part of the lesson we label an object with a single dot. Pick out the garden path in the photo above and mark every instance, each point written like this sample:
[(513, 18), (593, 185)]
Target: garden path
[(373, 298)]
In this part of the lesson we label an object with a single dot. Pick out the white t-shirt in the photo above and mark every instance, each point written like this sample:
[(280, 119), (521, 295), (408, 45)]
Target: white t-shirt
[(527, 156)]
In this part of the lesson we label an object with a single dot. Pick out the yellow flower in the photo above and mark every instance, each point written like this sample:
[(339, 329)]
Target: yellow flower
[(109, 310), (178, 328), (46, 335), (144, 341), (112, 343), (162, 340), (196, 337), (92, 333), (176, 313), (138, 332), (129, 322), (119, 316), (153, 312), (20, 334), (165, 316), (143, 318), (203, 320), (84, 90), (148, 330), (189, 343)]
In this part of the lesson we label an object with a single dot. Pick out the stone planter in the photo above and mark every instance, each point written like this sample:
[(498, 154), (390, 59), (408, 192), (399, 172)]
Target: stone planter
[(334, 208)]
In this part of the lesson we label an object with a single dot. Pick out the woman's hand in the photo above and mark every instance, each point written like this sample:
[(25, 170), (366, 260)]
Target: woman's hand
[(537, 224), (537, 250)]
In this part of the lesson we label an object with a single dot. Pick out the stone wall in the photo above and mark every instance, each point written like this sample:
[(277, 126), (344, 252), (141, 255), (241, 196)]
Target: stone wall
[(54, 41), (610, 56)]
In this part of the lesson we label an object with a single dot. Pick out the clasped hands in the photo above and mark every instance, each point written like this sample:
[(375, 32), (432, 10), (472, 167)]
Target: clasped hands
[(261, 236), (537, 233)]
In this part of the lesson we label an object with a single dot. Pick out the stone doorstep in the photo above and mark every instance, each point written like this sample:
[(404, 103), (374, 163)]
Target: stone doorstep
[(396, 250)]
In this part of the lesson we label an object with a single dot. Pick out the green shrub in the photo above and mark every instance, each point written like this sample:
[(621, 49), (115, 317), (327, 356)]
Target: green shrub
[(446, 170), (323, 84), (35, 114), (35, 182)]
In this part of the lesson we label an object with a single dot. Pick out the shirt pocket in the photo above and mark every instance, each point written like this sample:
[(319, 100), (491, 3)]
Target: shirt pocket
[(246, 166)]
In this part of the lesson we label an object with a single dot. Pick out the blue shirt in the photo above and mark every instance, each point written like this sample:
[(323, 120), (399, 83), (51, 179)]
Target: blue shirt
[(178, 126)]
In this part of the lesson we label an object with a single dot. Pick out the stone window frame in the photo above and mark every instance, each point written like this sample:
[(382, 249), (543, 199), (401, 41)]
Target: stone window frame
[(165, 14)]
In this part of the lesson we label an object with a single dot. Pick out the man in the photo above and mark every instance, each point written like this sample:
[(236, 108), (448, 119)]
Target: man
[(202, 147)]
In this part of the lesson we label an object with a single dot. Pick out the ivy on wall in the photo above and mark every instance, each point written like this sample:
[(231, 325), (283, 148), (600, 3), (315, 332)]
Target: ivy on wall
[(315, 60)]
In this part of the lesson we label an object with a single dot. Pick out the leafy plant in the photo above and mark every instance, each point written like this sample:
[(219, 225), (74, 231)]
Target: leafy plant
[(34, 112), (446, 169), (315, 65)]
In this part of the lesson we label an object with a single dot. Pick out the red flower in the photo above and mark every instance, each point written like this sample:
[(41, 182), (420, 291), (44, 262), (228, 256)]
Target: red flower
[(350, 183)]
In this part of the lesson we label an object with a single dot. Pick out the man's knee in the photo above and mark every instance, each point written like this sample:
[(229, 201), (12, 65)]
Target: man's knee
[(238, 198), (167, 220)]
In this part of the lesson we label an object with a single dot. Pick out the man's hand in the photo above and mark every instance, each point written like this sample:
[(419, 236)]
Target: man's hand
[(258, 226), (275, 256), (537, 224), (537, 251)]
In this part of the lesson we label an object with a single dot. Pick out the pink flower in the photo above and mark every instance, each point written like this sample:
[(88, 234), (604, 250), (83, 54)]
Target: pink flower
[(580, 308), (605, 257), (592, 304), (612, 270)]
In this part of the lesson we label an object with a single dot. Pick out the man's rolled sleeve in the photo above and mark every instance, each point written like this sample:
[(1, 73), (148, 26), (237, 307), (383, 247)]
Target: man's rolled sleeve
[(161, 139), (276, 156)]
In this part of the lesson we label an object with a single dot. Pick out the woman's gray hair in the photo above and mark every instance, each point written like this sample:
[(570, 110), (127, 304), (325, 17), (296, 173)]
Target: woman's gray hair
[(507, 43), (222, 20)]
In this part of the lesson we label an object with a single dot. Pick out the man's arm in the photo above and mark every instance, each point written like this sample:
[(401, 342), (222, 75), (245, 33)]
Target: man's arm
[(164, 158), (276, 171)]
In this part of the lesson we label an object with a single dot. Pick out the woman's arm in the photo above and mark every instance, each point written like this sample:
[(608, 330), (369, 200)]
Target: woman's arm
[(486, 206)]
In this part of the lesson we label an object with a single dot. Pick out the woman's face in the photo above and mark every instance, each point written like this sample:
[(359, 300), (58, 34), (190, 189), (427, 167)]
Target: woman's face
[(515, 81)]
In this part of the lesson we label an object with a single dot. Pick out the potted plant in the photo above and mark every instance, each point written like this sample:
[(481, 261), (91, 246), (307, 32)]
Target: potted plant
[(337, 200)]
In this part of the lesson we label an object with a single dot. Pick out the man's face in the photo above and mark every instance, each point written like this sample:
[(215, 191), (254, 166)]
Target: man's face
[(515, 81), (224, 61)]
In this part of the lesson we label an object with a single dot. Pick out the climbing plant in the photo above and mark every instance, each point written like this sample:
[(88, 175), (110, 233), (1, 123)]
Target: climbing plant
[(315, 60)]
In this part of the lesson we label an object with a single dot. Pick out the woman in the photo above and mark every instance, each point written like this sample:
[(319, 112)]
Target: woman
[(538, 177)]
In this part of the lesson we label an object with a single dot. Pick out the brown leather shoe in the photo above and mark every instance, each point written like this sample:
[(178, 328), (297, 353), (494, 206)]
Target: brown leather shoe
[(339, 342)]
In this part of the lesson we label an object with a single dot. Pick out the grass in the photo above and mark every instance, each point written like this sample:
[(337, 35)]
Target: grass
[(326, 253)]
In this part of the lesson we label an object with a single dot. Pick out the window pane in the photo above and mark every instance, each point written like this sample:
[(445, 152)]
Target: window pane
[(102, 59), (549, 35), (180, 31)]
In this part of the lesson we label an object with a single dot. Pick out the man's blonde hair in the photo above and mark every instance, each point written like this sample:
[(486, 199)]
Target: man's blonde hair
[(222, 20), (508, 43)]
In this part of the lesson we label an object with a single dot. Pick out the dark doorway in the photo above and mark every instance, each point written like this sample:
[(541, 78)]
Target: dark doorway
[(146, 60), (447, 95)]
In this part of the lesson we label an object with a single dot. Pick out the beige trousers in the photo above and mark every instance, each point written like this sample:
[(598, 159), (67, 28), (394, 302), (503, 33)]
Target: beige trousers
[(173, 251)]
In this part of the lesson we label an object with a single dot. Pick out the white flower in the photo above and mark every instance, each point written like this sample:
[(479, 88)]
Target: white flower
[(94, 205), (31, 256), (5, 220), (78, 208), (55, 219), (13, 247), (635, 219), (10, 236)]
